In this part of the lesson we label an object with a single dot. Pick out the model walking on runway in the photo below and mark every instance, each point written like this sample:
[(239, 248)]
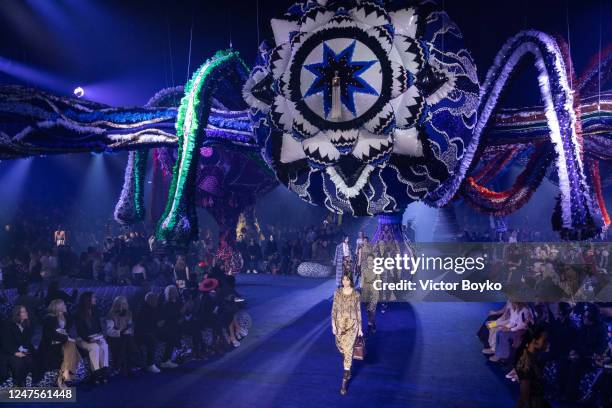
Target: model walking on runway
[(369, 295), (346, 324)]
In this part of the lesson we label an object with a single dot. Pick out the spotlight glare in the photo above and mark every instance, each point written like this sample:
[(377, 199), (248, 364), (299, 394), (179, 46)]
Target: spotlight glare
[(79, 92)]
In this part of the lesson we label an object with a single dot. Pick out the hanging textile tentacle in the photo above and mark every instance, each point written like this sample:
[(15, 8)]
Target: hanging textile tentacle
[(510, 200), (178, 224), (599, 197), (130, 208), (575, 201)]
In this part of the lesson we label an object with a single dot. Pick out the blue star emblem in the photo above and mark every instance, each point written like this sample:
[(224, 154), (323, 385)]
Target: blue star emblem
[(348, 71)]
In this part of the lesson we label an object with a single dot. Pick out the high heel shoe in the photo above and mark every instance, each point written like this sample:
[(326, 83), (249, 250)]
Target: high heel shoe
[(61, 384)]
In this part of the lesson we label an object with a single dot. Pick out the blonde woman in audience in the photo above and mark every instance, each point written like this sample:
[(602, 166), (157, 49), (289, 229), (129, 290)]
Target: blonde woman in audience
[(515, 318), (57, 349), (120, 333)]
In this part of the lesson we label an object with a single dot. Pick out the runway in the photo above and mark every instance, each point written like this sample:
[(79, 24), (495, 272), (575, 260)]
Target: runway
[(423, 355)]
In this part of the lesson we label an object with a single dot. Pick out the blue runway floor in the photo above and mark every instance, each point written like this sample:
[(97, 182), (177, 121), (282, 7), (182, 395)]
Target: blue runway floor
[(423, 355)]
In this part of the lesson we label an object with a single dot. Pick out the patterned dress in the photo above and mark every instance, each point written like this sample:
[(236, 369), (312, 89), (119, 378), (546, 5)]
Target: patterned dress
[(340, 261), (528, 369), (369, 295), (346, 315)]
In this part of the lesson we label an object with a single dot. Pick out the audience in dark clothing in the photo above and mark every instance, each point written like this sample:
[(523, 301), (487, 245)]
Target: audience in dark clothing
[(170, 314), (146, 328), (57, 349), (563, 331), (572, 368), (17, 345), (120, 333), (586, 353), (31, 303), (529, 369)]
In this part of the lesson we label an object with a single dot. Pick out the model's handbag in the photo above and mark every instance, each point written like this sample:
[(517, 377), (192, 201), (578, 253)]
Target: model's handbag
[(359, 350)]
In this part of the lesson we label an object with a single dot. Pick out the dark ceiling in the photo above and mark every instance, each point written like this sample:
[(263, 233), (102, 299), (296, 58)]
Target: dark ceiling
[(124, 51)]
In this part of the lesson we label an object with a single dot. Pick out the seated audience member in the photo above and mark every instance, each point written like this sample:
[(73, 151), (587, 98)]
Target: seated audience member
[(226, 281), (208, 309), (170, 313), (547, 286), (120, 332), (562, 333), (17, 345), (190, 325), (228, 299), (146, 327), (90, 337), (57, 349), (590, 345), (529, 370), (541, 314), (504, 331), (483, 331)]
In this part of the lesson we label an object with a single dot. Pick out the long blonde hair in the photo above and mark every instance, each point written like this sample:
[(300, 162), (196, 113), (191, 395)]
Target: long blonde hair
[(116, 306), (54, 308)]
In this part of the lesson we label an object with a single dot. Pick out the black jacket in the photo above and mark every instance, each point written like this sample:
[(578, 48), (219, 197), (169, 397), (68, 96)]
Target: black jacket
[(51, 342), (254, 251), (271, 248), (170, 314), (146, 320), (88, 327), (13, 338)]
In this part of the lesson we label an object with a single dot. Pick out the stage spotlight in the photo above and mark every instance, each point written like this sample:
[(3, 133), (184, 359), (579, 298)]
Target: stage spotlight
[(79, 92)]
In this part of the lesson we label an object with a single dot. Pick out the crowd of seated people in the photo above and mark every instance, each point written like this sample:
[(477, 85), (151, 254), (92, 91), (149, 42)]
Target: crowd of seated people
[(284, 248), (574, 367), (45, 246), (72, 329), (526, 233), (572, 272)]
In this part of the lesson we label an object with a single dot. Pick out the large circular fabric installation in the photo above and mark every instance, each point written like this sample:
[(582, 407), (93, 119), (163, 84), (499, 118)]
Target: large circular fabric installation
[(364, 106)]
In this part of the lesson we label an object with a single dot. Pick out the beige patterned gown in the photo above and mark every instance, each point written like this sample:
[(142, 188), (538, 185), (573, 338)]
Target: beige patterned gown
[(346, 315), (369, 295)]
